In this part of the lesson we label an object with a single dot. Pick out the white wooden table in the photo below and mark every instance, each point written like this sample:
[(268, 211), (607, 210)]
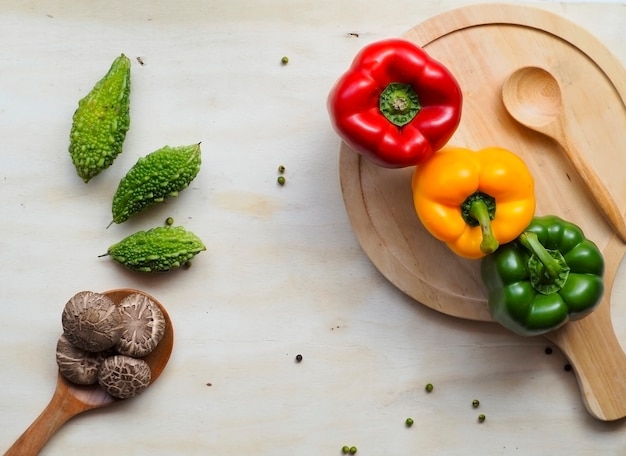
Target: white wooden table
[(283, 274)]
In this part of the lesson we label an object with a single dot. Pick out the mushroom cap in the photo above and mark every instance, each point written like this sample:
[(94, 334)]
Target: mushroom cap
[(91, 321), (143, 327), (124, 376), (77, 365)]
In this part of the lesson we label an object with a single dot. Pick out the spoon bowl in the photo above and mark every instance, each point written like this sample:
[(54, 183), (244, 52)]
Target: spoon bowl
[(533, 97), (70, 399)]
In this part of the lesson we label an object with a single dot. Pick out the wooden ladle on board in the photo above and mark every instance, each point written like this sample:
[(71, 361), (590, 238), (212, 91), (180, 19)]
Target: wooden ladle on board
[(533, 98), (69, 399)]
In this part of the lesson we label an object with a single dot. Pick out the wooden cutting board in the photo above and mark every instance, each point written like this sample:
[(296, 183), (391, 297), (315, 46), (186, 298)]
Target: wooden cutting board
[(482, 45)]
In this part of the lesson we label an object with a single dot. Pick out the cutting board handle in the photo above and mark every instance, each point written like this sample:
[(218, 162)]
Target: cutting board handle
[(595, 353)]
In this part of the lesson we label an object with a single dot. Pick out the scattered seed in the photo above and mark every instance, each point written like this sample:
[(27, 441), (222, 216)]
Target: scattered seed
[(475, 403), (481, 418), (353, 450), (567, 367), (298, 357), (281, 180), (169, 221), (429, 387), (284, 60), (345, 449), (409, 422), (548, 350), (281, 169)]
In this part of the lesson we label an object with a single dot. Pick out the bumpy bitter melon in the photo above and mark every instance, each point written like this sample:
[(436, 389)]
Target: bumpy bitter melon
[(100, 122), (159, 249), (160, 174)]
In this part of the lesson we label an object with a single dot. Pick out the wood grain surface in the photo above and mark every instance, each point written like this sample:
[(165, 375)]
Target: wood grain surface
[(284, 273)]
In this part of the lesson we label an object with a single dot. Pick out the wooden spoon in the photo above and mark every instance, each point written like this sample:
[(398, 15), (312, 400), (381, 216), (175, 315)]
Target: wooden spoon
[(533, 97), (69, 399)]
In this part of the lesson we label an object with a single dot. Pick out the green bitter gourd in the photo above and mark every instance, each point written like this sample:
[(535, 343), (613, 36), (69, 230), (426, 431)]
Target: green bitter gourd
[(159, 249), (100, 122), (160, 174)]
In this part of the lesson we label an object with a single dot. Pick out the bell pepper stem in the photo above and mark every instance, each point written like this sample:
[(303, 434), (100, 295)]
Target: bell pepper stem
[(479, 210), (552, 267), (399, 103)]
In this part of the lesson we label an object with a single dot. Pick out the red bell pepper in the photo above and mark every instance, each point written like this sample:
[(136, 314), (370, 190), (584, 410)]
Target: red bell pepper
[(395, 105)]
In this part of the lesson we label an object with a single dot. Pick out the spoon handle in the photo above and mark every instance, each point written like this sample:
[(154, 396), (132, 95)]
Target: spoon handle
[(594, 351), (596, 187), (60, 409)]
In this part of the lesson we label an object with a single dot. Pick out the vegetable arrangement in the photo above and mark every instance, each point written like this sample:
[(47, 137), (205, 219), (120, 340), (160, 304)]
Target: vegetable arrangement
[(98, 131), (397, 107), (549, 275), (101, 121), (159, 175), (105, 343), (474, 201), (159, 249)]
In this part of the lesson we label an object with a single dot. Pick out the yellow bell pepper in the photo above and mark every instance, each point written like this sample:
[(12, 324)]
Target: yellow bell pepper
[(474, 200)]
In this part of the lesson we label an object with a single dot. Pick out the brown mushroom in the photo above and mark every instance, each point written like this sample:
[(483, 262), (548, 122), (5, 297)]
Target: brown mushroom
[(77, 365), (91, 321), (123, 376), (143, 328)]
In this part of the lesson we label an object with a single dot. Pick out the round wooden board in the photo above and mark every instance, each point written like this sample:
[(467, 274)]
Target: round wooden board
[(481, 45)]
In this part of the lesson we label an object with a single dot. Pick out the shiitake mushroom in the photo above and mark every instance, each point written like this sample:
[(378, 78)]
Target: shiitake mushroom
[(103, 342), (77, 365), (124, 376), (143, 325), (91, 321)]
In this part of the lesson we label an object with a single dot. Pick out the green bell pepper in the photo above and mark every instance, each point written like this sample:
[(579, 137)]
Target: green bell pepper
[(549, 275)]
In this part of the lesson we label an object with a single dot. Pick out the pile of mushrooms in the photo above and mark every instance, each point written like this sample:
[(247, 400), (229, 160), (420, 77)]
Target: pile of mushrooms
[(104, 343)]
